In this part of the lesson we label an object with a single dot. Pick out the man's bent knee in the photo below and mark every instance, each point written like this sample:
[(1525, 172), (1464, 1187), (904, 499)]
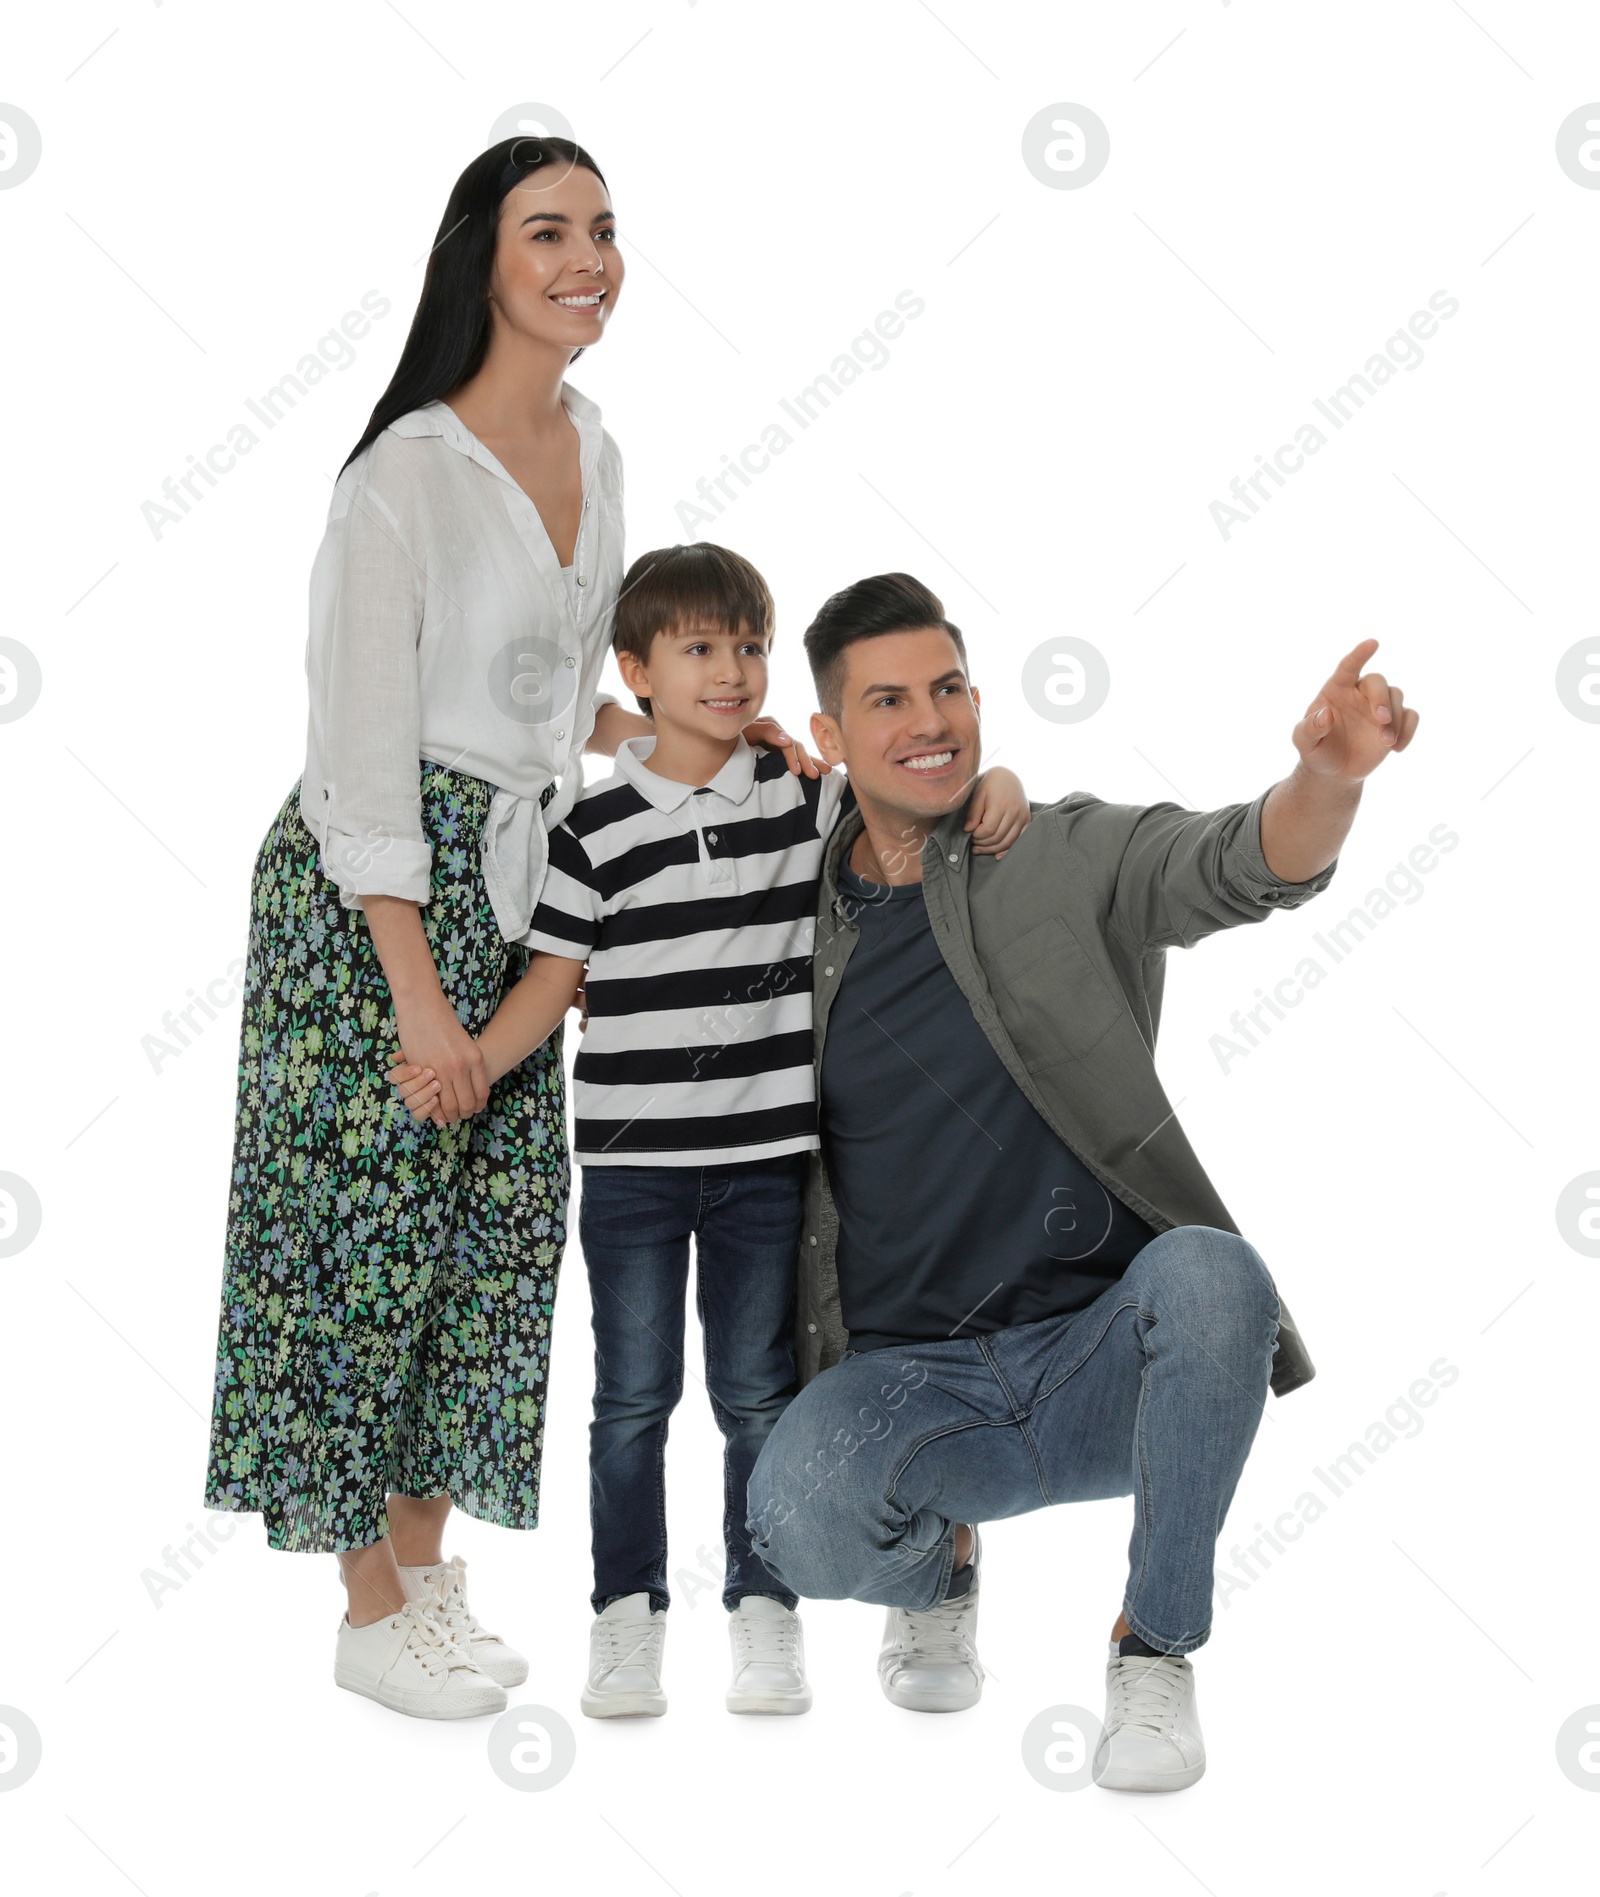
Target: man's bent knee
[(1212, 1284)]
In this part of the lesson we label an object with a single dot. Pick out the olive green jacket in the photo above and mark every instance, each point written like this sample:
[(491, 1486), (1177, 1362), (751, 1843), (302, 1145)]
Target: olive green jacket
[(1060, 948)]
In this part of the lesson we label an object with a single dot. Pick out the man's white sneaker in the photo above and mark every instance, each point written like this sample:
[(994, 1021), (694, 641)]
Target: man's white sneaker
[(409, 1663), (1151, 1741), (928, 1661), (625, 1645), (769, 1662), (442, 1590)]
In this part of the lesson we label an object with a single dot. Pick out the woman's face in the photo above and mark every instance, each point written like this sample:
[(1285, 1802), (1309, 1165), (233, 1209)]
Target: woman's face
[(557, 269)]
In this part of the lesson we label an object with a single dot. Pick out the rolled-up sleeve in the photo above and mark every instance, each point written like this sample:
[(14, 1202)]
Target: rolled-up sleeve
[(364, 665), (1184, 874)]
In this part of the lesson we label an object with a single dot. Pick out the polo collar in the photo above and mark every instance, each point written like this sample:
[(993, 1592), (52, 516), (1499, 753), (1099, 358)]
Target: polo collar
[(732, 783)]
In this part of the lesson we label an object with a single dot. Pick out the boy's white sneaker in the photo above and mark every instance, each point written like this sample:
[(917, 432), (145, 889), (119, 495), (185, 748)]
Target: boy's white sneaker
[(929, 1662), (442, 1590), (769, 1662), (1151, 1741), (409, 1663), (625, 1647)]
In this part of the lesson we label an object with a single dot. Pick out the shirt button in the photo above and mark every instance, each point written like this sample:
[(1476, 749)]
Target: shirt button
[(711, 836), (582, 581), (812, 1240), (811, 1327), (571, 663), (954, 857), (560, 735), (826, 971)]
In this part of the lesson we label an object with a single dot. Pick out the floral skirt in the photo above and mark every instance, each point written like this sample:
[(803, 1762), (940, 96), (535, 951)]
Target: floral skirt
[(387, 1286)]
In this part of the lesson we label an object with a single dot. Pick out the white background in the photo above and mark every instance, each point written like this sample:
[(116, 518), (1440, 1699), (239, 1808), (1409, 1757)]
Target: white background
[(1286, 185)]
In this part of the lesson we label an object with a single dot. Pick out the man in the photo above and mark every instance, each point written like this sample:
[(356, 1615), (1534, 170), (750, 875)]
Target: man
[(1017, 1286)]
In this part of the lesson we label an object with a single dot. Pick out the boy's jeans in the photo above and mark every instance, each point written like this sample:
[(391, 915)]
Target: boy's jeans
[(635, 1223), (1154, 1390)]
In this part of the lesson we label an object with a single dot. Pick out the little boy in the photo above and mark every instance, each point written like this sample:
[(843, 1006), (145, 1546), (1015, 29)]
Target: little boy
[(687, 884)]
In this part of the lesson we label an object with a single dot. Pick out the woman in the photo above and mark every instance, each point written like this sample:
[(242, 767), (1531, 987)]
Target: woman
[(388, 1286)]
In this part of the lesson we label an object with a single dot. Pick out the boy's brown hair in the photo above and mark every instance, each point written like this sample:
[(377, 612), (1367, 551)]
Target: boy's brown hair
[(695, 585)]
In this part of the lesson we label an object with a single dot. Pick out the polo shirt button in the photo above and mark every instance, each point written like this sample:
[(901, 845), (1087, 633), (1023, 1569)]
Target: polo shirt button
[(813, 1240), (711, 836), (811, 1327), (826, 971)]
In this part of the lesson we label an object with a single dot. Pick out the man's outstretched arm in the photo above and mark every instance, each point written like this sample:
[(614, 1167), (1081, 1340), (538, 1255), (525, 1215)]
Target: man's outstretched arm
[(1180, 875), (1349, 728)]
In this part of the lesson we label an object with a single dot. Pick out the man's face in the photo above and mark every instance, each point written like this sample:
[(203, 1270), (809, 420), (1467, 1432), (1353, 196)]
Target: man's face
[(907, 730)]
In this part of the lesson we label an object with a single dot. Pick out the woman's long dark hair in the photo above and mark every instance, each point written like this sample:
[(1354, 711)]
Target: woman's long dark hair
[(450, 331)]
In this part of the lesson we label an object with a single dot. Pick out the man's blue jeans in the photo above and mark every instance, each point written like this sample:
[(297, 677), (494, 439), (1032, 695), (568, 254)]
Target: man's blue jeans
[(635, 1223), (1154, 1390)]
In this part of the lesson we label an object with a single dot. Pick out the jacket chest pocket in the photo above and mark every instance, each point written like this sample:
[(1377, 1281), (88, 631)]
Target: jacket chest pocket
[(1054, 1002)]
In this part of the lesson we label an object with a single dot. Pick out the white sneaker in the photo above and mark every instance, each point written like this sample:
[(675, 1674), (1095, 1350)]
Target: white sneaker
[(625, 1645), (442, 1590), (408, 1663), (1151, 1741), (928, 1662), (769, 1662)]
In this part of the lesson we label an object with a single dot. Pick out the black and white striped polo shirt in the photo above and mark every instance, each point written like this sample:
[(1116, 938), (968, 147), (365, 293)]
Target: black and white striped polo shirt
[(695, 907)]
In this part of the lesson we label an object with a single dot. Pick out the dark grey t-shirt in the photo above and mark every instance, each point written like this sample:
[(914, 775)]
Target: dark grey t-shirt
[(960, 1211)]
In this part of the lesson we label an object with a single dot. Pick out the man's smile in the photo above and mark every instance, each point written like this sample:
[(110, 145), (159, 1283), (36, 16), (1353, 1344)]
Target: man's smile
[(930, 763)]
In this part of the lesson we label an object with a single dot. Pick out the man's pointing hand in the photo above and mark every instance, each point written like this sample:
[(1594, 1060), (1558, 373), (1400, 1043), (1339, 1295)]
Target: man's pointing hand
[(1354, 722)]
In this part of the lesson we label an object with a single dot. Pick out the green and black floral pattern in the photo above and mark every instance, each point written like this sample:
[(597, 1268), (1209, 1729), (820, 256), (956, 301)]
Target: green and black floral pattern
[(388, 1287)]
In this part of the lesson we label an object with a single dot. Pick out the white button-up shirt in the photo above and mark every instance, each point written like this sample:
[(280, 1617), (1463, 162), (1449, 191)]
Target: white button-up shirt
[(443, 626)]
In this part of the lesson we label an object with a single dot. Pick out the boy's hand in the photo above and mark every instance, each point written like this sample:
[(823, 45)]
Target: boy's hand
[(769, 731), (419, 1088), (999, 813)]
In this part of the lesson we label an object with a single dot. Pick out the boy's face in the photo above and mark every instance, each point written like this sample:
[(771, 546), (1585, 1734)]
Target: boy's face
[(701, 679)]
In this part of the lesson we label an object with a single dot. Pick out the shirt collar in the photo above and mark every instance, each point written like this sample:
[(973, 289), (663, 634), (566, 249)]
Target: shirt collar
[(439, 418), (732, 783)]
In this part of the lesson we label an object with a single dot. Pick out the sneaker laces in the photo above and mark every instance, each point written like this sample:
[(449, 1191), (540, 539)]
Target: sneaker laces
[(1146, 1690), (435, 1646), (939, 1633), (446, 1601), (766, 1642), (643, 1643)]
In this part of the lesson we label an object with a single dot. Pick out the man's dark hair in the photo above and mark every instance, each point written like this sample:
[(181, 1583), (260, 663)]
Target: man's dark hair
[(698, 585), (888, 602)]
